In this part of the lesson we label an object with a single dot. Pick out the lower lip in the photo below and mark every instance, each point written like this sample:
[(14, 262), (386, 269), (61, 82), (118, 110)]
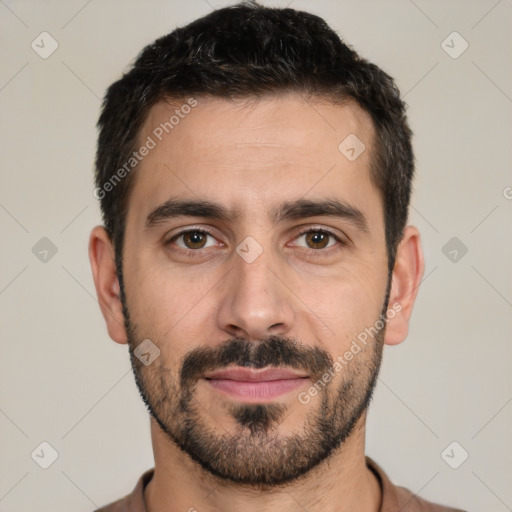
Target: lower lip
[(256, 391)]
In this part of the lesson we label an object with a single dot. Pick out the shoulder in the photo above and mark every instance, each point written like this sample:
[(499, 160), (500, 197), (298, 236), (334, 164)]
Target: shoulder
[(411, 503), (120, 505), (396, 498), (115, 506), (133, 502)]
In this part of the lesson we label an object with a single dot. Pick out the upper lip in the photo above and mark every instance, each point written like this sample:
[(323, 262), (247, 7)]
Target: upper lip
[(254, 374)]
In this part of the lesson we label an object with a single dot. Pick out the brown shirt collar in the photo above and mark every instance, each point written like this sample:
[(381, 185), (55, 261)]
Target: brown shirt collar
[(394, 498)]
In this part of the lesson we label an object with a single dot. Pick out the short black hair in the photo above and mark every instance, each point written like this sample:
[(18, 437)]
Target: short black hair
[(251, 51)]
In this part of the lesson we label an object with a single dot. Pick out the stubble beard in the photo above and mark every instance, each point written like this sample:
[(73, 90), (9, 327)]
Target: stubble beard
[(255, 453)]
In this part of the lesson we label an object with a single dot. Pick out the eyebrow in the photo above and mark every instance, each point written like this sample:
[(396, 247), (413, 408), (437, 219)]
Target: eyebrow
[(290, 210)]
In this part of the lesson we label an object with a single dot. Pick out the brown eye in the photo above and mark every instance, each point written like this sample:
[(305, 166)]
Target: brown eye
[(318, 239), (193, 239)]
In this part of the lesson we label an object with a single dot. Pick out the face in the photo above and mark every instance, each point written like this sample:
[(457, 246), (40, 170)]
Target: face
[(254, 257)]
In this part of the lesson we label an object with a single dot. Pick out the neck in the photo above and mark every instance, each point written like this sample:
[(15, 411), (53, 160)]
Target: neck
[(341, 483)]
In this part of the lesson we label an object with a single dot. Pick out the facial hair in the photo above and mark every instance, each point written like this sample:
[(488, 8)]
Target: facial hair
[(256, 454)]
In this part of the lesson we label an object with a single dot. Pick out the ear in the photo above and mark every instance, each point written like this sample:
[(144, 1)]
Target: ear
[(102, 258), (407, 274)]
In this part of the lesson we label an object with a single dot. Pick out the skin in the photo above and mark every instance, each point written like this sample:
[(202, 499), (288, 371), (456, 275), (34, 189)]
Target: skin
[(252, 156)]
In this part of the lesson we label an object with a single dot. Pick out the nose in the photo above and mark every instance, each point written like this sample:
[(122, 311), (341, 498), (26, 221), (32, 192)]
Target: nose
[(255, 302)]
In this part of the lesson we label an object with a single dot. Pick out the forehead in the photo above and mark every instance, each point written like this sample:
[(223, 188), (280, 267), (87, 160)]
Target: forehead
[(254, 152)]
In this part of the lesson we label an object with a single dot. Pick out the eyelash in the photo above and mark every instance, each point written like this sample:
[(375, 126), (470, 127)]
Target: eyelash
[(205, 231)]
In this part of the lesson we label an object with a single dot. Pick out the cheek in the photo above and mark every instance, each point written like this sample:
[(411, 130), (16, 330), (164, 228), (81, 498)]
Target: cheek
[(166, 306), (344, 304)]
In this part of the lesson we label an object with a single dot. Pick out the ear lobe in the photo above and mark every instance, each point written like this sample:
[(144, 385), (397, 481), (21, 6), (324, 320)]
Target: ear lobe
[(407, 273), (106, 282)]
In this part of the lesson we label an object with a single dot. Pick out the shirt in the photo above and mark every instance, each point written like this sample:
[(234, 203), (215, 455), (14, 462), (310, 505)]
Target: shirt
[(394, 499)]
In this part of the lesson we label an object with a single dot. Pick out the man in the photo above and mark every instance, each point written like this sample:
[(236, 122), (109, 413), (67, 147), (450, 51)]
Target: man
[(254, 176)]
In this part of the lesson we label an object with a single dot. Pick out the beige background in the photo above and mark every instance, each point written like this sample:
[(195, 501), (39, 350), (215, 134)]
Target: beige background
[(65, 382)]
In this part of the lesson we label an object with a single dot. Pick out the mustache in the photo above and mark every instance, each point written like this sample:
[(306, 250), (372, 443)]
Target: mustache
[(273, 350)]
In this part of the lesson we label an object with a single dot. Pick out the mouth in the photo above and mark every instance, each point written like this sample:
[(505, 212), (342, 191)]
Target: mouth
[(255, 385)]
